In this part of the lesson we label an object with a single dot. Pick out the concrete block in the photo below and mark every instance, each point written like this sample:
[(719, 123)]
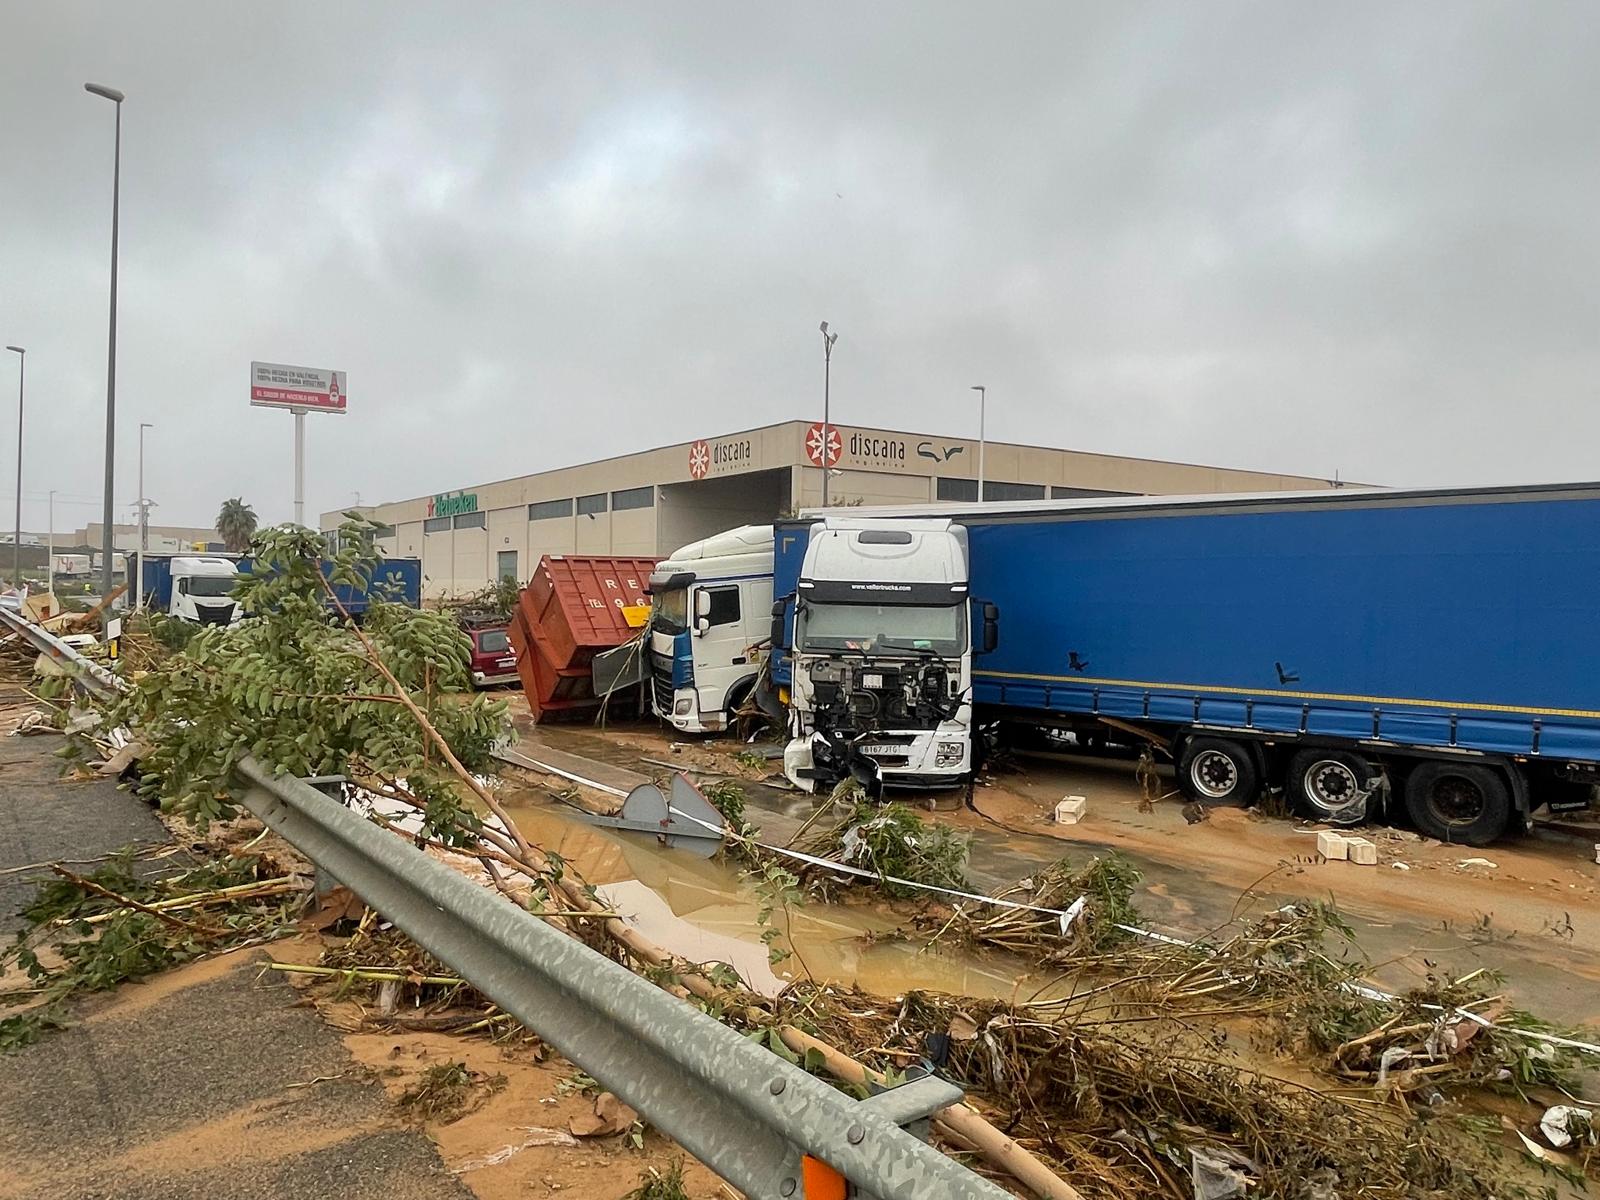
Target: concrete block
[(1362, 852), (1332, 845), (1071, 810)]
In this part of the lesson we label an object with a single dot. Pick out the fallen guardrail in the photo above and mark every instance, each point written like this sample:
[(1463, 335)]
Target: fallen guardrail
[(749, 1115), (746, 1113), (85, 672)]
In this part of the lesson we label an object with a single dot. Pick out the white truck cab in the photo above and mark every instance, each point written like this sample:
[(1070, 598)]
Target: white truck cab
[(881, 683), (710, 614), (202, 590)]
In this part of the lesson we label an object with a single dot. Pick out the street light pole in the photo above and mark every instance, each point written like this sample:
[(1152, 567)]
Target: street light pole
[(50, 554), (16, 548), (108, 548), (828, 339), (983, 403), (144, 521)]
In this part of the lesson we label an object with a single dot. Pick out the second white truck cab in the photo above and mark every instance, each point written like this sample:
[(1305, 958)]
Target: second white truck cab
[(202, 590), (881, 676), (710, 614)]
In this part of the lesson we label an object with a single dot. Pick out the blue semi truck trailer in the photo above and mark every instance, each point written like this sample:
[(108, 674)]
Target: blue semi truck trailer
[(1432, 650), (199, 587)]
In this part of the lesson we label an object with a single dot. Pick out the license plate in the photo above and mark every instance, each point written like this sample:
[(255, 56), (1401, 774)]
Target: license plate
[(508, 662), (872, 681), (877, 748)]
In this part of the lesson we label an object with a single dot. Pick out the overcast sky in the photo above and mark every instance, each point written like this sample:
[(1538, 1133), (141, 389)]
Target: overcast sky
[(1288, 236)]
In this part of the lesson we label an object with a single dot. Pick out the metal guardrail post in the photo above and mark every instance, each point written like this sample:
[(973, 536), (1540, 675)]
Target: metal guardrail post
[(740, 1109)]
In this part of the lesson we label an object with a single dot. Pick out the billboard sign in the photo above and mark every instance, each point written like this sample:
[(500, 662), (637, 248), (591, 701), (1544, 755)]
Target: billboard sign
[(274, 385)]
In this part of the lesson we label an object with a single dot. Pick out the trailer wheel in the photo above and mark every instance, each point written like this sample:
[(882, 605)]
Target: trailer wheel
[(1459, 802), (1330, 785), (1216, 771)]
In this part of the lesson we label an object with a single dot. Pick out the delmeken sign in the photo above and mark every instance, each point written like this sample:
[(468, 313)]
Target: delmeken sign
[(453, 504), (274, 385)]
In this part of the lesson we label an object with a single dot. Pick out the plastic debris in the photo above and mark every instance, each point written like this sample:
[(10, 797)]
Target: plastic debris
[(1563, 1124), (1220, 1173)]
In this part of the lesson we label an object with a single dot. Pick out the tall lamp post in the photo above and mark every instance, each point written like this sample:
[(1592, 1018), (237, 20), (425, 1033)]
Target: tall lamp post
[(50, 553), (16, 547), (828, 339), (983, 403), (144, 521), (108, 548)]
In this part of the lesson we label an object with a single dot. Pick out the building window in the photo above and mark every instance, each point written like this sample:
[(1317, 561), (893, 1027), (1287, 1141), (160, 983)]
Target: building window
[(1012, 491), (436, 525), (639, 497), (383, 531), (724, 609), (589, 505), (506, 565), (545, 510), (475, 520), (956, 489)]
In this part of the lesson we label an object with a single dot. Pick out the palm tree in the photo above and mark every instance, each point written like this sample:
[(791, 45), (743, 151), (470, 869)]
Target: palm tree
[(237, 525)]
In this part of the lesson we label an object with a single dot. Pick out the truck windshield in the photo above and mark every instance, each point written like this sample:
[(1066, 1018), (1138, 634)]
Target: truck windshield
[(211, 585), (672, 609), (883, 628)]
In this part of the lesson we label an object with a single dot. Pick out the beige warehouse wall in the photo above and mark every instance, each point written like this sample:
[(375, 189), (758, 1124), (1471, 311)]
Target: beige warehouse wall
[(508, 530)]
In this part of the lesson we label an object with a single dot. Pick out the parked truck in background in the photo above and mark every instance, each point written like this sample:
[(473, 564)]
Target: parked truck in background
[(199, 588), (710, 616), (1431, 650), (191, 588)]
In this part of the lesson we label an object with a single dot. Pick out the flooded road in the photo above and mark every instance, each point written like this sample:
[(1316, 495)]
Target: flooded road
[(705, 910)]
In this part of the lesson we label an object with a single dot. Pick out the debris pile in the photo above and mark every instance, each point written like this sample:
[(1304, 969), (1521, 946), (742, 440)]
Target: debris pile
[(126, 920)]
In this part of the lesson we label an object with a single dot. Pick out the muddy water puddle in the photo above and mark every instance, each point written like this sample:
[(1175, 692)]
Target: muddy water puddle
[(705, 911)]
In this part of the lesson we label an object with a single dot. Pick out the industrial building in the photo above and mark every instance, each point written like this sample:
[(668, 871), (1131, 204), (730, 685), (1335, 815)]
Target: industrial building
[(653, 501)]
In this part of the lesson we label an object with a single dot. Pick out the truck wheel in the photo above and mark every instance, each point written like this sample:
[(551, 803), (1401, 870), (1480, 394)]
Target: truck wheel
[(1458, 802), (1329, 785), (1215, 771)]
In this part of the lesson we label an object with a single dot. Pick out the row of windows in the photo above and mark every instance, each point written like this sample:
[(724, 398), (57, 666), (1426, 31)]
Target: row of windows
[(966, 491), (961, 490), (546, 510)]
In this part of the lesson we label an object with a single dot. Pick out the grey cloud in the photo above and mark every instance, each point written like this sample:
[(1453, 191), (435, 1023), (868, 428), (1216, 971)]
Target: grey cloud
[(1293, 236)]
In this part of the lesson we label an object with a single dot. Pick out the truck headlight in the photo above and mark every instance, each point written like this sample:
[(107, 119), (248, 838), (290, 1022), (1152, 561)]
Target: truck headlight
[(681, 708), (948, 754)]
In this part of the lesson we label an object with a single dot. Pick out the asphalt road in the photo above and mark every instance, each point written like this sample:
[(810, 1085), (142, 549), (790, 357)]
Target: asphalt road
[(207, 1083)]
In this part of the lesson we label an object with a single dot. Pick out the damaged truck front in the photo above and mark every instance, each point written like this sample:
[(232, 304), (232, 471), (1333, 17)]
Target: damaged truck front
[(880, 630)]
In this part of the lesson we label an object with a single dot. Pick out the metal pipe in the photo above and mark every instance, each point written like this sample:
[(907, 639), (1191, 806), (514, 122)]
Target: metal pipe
[(300, 466), (108, 540), (16, 547), (827, 428)]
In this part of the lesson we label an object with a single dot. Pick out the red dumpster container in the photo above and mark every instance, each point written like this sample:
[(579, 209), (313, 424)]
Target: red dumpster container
[(569, 611)]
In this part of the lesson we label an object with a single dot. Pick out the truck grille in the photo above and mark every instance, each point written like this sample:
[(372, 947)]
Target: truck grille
[(661, 682)]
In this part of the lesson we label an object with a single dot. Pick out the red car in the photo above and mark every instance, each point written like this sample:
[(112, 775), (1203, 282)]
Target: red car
[(493, 660)]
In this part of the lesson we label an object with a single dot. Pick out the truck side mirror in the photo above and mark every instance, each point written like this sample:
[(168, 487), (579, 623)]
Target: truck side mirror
[(702, 604), (183, 586), (989, 637), (780, 606), (701, 625)]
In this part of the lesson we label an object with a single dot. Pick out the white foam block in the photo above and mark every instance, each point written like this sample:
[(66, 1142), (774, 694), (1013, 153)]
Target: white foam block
[(1362, 852), (1332, 845), (1071, 810)]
